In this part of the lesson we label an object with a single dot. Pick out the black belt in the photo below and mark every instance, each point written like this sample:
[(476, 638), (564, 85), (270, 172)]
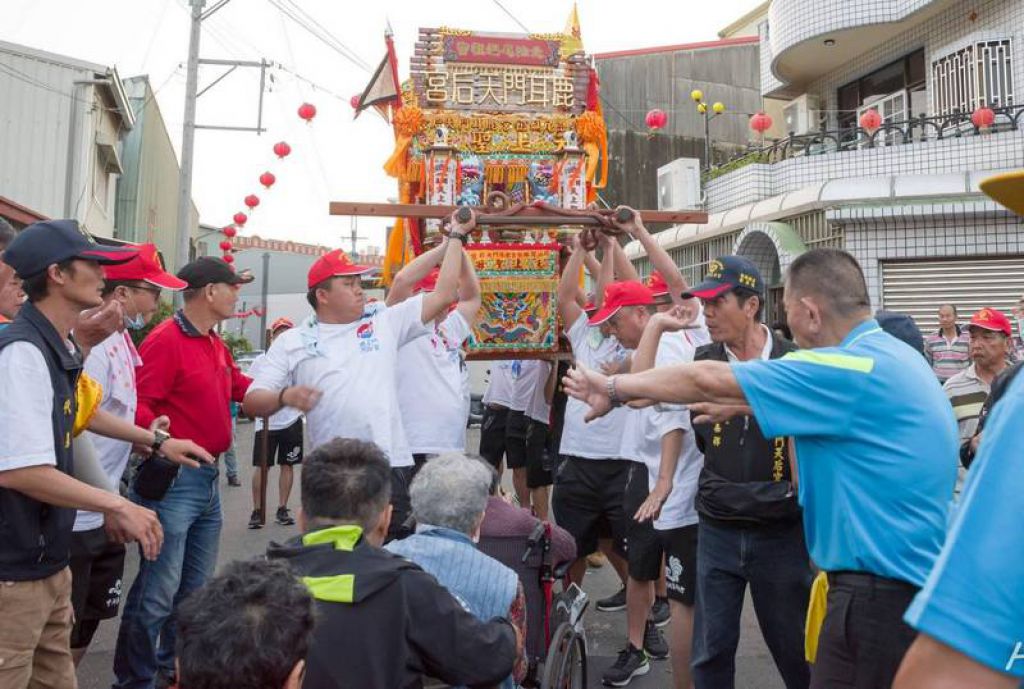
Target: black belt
[(868, 580), (497, 407)]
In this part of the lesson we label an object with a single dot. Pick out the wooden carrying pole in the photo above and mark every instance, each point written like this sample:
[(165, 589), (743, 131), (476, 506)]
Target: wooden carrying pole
[(527, 216)]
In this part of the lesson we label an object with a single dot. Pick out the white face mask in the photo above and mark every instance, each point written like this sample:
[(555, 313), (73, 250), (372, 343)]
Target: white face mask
[(136, 323)]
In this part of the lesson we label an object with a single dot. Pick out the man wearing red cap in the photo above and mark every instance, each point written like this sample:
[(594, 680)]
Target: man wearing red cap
[(433, 381), (340, 366), (97, 563), (285, 444), (990, 347)]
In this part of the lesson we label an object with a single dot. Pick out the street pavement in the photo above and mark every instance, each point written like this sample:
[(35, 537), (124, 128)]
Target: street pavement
[(606, 632)]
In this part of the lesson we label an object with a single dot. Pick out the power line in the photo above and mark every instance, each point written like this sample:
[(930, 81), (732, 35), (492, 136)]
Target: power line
[(512, 16), (322, 35)]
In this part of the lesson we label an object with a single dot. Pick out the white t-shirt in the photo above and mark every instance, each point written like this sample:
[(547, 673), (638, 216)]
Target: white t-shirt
[(537, 407), (603, 437), (656, 421), (432, 384), (282, 418), (112, 364), (524, 373), (26, 408), (503, 376), (355, 366)]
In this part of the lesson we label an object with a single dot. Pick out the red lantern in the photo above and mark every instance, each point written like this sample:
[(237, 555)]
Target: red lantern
[(983, 118), (252, 201), (230, 230), (870, 121), (656, 119), (282, 149), (307, 111), (761, 122), (228, 258), (225, 245), (354, 100), (240, 219), (267, 179)]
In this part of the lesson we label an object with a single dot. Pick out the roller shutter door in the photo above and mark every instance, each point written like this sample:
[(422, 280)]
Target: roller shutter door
[(920, 287)]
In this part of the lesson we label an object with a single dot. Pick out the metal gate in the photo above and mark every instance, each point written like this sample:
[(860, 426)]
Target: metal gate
[(920, 287)]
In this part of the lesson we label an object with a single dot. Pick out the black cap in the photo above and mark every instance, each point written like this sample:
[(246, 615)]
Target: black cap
[(902, 327), (42, 244), (207, 270), (726, 273)]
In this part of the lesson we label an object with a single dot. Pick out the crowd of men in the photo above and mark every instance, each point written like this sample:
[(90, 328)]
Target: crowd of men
[(702, 453)]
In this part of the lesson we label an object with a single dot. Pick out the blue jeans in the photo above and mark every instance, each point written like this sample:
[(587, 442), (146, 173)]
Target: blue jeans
[(774, 561), (230, 458), (191, 519)]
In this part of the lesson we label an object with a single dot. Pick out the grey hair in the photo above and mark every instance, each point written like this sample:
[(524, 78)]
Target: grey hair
[(451, 491)]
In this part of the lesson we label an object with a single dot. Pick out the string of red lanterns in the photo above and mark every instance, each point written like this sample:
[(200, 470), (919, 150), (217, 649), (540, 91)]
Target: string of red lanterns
[(306, 111)]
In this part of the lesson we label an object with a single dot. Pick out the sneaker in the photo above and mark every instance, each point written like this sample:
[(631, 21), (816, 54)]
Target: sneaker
[(233, 481), (631, 663), (613, 603), (660, 613), (654, 642), (254, 520), (283, 517), (596, 560)]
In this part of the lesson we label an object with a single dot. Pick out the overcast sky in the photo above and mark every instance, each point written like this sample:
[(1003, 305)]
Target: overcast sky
[(333, 158)]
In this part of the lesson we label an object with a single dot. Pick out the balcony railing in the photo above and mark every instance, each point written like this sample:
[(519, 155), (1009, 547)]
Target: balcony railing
[(895, 133)]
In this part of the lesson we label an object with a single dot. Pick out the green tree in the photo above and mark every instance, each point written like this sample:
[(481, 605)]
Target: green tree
[(238, 344), (163, 311)]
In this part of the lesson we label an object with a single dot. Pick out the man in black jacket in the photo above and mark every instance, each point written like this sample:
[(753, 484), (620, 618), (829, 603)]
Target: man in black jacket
[(750, 526), (381, 621)]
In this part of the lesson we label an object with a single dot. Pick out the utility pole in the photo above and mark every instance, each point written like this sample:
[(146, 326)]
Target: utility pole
[(354, 235), (188, 137), (188, 134), (263, 292)]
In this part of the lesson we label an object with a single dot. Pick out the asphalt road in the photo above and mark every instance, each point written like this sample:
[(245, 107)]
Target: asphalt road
[(606, 632)]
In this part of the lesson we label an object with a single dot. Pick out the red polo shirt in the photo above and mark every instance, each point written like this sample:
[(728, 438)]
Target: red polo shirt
[(191, 378)]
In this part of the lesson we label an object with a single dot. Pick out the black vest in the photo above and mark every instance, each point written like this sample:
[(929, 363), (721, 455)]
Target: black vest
[(35, 538)]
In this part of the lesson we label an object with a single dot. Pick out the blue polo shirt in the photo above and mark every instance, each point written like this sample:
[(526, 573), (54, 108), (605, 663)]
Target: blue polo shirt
[(876, 446), (974, 598)]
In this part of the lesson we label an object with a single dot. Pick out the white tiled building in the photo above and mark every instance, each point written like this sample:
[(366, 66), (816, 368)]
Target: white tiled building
[(903, 200)]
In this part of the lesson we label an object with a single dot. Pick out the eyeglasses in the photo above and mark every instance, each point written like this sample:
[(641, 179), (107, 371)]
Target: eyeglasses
[(155, 291)]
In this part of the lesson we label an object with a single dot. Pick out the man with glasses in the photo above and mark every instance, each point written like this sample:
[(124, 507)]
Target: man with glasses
[(189, 377)]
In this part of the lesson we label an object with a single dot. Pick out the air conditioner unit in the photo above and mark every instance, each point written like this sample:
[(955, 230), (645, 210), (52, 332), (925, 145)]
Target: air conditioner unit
[(679, 185), (801, 114)]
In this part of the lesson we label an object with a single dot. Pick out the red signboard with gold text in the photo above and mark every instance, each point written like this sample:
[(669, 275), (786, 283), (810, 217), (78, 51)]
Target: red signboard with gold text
[(499, 50)]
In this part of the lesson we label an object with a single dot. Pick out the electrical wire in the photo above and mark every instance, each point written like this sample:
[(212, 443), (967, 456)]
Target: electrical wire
[(322, 35)]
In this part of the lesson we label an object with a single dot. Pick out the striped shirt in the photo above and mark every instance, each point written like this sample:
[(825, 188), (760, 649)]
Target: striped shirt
[(967, 393), (948, 357)]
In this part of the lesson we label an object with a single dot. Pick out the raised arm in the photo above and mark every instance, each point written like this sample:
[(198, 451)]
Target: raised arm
[(408, 277), (446, 292), (568, 287), (469, 291), (624, 269), (606, 275), (659, 258)]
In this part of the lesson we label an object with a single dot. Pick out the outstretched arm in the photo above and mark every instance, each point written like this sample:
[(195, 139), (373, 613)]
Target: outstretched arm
[(446, 291), (409, 276), (469, 291), (568, 288)]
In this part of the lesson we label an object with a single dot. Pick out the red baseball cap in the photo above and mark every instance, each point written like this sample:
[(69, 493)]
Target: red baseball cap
[(619, 294), (657, 284), (991, 319), (333, 264), (429, 283), (145, 267)]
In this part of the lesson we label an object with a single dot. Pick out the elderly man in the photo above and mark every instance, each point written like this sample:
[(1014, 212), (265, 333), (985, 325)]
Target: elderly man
[(449, 497), (382, 622), (875, 500), (948, 348)]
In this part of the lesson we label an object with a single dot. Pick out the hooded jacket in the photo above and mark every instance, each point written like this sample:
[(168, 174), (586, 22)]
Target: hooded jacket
[(384, 623)]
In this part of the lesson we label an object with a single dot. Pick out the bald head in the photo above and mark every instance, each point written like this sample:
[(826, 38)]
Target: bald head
[(833, 278)]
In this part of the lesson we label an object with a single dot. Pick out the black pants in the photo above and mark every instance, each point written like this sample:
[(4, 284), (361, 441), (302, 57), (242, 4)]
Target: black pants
[(863, 638), (401, 507)]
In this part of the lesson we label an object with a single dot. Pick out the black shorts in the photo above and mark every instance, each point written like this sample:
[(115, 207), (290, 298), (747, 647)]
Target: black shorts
[(492, 435), (285, 445), (587, 501), (97, 566), (401, 505), (680, 562), (538, 457), (516, 429), (644, 544)]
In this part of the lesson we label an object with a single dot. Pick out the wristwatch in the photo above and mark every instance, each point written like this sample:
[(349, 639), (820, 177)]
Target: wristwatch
[(159, 438), (461, 237), (613, 394)]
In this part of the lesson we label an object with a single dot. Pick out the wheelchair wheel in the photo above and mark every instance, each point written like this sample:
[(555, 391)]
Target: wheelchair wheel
[(566, 663)]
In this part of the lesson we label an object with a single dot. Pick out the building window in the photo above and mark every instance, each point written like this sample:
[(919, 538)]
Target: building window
[(897, 90), (978, 74)]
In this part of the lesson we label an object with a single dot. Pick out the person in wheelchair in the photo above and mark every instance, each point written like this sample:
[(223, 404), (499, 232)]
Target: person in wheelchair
[(381, 621), (449, 496)]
